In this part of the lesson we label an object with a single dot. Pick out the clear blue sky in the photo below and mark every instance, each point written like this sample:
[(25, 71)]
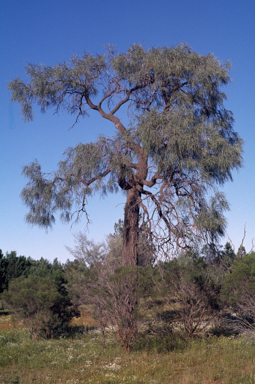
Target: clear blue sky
[(50, 32)]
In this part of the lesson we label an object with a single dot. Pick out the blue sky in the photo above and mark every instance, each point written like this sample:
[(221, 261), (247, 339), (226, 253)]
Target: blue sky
[(50, 32)]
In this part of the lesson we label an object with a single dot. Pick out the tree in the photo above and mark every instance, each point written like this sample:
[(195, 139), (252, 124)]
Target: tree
[(239, 293), (191, 294), (32, 299), (41, 301), (63, 310), (145, 248), (87, 251), (11, 267), (179, 144), (112, 293)]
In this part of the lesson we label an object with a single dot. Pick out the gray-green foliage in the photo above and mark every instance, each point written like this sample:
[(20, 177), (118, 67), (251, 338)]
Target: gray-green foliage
[(239, 293), (191, 293), (146, 251), (179, 145), (112, 293), (87, 252)]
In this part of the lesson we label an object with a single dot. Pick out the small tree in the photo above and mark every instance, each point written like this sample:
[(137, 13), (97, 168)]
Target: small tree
[(178, 146), (32, 299), (239, 293), (191, 295), (219, 262), (63, 310), (112, 291), (113, 295)]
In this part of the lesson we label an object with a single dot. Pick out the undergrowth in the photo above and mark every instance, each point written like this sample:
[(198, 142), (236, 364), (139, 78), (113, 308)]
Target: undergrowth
[(159, 356)]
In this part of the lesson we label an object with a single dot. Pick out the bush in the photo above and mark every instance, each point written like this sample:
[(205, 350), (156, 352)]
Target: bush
[(191, 295), (113, 295), (36, 302), (239, 294)]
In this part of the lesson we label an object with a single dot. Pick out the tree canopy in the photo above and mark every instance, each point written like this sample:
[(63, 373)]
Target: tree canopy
[(178, 146), (11, 267)]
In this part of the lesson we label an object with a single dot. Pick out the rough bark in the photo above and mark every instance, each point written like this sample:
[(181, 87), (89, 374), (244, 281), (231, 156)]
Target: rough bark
[(134, 189), (131, 229)]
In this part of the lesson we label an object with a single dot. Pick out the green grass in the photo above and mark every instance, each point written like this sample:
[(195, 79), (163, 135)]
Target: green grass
[(167, 360)]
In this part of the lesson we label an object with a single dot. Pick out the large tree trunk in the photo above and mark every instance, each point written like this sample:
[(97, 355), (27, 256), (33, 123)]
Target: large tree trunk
[(131, 229)]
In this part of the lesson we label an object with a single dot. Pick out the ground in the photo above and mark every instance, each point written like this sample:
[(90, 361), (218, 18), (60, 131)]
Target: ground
[(82, 359)]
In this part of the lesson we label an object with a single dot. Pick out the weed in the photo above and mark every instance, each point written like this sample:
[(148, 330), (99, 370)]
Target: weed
[(163, 358)]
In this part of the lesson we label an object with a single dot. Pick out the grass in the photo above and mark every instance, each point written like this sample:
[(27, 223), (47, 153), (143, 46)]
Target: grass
[(82, 359), (6, 323)]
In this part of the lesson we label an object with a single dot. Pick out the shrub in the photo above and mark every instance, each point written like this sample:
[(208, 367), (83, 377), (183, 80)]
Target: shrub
[(239, 294), (114, 295), (34, 300), (191, 295)]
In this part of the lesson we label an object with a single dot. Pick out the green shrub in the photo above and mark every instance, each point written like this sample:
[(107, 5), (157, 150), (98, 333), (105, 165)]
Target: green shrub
[(238, 293), (37, 302)]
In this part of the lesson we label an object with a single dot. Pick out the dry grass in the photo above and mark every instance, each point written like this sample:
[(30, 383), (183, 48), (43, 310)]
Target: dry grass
[(6, 323), (86, 319), (83, 360)]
